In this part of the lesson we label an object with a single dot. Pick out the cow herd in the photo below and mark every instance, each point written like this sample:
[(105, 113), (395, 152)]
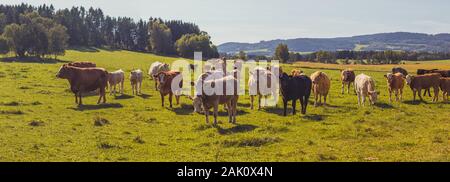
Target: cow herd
[(86, 77)]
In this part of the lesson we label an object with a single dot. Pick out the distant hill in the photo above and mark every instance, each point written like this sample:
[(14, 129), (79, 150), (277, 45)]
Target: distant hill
[(384, 41)]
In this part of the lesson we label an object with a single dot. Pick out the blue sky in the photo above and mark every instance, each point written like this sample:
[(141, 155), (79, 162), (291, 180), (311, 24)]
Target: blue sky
[(253, 20)]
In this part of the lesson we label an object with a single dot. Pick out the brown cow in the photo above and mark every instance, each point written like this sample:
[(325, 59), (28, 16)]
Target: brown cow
[(347, 78), (165, 79), (427, 81), (395, 82), (320, 86), (208, 101), (85, 80), (445, 87), (84, 64)]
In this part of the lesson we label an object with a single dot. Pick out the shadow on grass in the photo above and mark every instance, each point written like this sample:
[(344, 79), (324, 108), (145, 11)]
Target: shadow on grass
[(384, 105), (416, 102), (144, 96), (97, 107), (185, 109), (32, 60), (124, 96), (315, 117), (277, 110), (245, 105), (235, 129)]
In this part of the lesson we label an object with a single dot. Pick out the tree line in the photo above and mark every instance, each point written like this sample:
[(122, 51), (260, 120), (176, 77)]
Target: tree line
[(80, 27)]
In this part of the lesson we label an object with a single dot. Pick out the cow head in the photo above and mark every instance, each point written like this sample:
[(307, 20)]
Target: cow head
[(409, 79), (373, 96), (64, 72), (197, 103)]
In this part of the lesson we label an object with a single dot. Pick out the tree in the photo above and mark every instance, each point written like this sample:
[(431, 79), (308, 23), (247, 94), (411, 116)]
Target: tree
[(242, 55), (282, 53), (4, 48), (15, 36), (57, 40), (160, 38), (2, 22), (190, 43)]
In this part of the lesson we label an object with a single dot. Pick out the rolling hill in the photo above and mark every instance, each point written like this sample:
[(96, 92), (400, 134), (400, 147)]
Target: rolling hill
[(384, 41)]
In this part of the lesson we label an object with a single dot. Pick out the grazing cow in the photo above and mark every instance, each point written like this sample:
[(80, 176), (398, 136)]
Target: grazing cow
[(85, 80), (83, 64), (295, 88), (365, 86), (445, 87), (427, 81), (399, 70), (444, 73), (208, 101), (165, 79), (116, 78), (395, 83), (136, 81), (347, 78), (320, 86), (155, 68), (257, 76)]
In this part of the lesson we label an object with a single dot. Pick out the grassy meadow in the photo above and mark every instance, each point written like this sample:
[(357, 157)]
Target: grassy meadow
[(39, 121)]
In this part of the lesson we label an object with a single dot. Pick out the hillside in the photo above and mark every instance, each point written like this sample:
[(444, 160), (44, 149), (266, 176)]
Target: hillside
[(383, 41), (39, 120)]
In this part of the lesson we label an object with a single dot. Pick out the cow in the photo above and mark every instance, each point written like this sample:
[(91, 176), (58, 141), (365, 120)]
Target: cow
[(84, 64), (136, 81), (116, 78), (257, 77), (155, 68), (295, 88), (424, 71), (445, 87), (426, 81), (395, 82), (165, 79), (320, 86), (400, 70), (85, 80), (205, 101), (365, 87), (347, 78)]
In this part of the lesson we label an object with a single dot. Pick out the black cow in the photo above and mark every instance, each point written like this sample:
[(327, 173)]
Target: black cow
[(399, 70), (293, 88)]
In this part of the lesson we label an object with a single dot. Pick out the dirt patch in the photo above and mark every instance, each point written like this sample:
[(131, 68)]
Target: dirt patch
[(98, 121), (251, 142)]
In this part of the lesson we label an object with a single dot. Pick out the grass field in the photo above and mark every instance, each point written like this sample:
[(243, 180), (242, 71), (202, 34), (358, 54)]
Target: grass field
[(39, 121)]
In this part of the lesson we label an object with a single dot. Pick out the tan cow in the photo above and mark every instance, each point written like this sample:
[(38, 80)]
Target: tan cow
[(116, 78), (165, 79), (347, 78), (427, 81), (365, 87), (445, 87), (320, 86), (395, 83), (136, 81)]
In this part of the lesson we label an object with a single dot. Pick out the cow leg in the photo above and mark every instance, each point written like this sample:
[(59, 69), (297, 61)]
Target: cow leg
[(401, 95), (325, 99), (302, 105), (414, 94), (259, 102), (342, 88), (79, 101), (429, 92), (140, 87), (177, 98), (251, 101), (234, 109), (76, 98), (104, 94), (216, 110), (284, 107), (315, 99), (420, 94), (436, 94), (390, 95), (110, 89), (230, 112), (294, 103), (363, 100), (170, 99), (162, 100)]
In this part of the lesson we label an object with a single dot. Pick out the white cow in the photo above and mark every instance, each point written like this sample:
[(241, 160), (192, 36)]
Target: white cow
[(259, 83), (136, 81), (155, 68), (365, 86), (116, 78)]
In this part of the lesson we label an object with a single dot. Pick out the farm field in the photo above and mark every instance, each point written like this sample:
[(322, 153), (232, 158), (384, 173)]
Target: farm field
[(39, 121)]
